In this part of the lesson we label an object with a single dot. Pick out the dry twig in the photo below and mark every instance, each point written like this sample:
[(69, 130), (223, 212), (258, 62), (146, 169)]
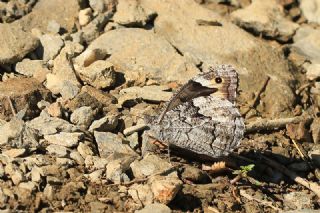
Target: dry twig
[(267, 124), (11, 106), (243, 193), (257, 97), (292, 175)]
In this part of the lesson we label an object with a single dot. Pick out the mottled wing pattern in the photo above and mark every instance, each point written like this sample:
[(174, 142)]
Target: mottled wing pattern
[(202, 117)]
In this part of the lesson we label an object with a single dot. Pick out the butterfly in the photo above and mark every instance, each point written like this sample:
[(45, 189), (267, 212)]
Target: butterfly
[(202, 117)]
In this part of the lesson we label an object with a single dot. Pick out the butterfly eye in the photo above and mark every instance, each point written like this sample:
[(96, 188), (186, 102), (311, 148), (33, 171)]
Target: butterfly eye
[(218, 80)]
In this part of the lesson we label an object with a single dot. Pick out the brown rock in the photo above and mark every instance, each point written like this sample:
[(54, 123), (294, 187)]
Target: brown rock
[(23, 92)]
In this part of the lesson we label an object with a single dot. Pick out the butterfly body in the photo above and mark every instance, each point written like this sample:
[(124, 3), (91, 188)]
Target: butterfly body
[(202, 117)]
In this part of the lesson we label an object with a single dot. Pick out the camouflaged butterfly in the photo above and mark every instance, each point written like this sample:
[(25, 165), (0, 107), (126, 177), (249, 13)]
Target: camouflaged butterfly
[(202, 117)]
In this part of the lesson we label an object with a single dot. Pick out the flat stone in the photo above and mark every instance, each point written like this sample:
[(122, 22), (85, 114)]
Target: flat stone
[(97, 5), (83, 116), (194, 174), (30, 186), (55, 109), (253, 59), (17, 134), (50, 46), (65, 162), (133, 140), (107, 124), (57, 150), (47, 10), (13, 153), (95, 162), (144, 53), (15, 43), (67, 89), (47, 125), (311, 10), (99, 74), (29, 67), (131, 14), (84, 150), (307, 42), (149, 165), (155, 208), (266, 18), (154, 94), (109, 143), (65, 139), (77, 157), (36, 174), (24, 93)]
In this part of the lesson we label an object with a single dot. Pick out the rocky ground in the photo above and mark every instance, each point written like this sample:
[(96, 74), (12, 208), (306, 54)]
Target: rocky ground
[(78, 76)]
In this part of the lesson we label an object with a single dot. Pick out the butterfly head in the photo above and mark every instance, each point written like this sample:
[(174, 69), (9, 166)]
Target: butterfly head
[(224, 79)]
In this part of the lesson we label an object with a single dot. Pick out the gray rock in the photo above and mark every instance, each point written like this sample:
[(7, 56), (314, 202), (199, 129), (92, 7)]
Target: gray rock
[(50, 46), (307, 42), (18, 135), (266, 18), (64, 80), (253, 58), (107, 123), (311, 10), (116, 169), (144, 53), (95, 162), (131, 14), (47, 125), (53, 27), (29, 67), (92, 30), (65, 139), (149, 165), (57, 150), (148, 93), (77, 157), (83, 116), (155, 208), (84, 150), (109, 143), (99, 74), (15, 43), (133, 140)]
